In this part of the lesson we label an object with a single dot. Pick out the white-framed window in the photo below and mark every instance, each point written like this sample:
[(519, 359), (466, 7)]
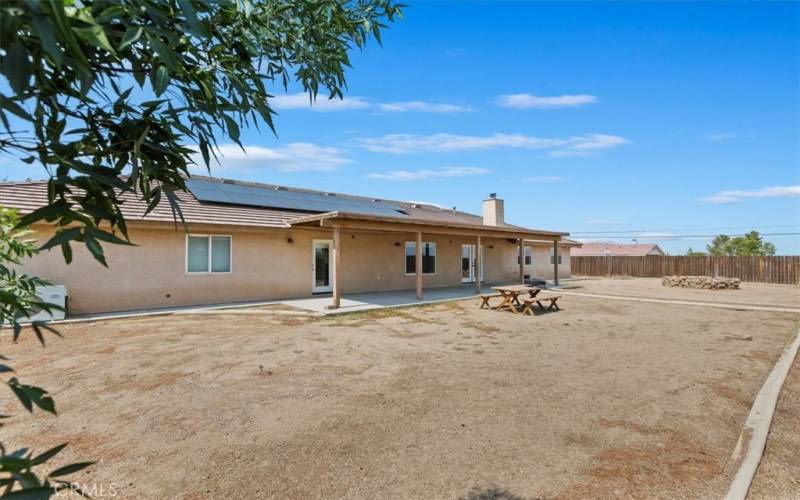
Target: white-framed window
[(208, 253), (552, 257), (528, 256), (428, 257)]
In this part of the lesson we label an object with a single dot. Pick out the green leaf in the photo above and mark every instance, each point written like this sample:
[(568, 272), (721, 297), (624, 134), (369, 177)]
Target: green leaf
[(131, 35), (95, 36), (61, 237), (66, 251), (160, 80), (15, 462), (233, 128), (13, 107), (195, 26), (96, 250), (47, 212), (115, 11), (16, 66), (39, 493), (44, 30), (107, 237), (164, 52)]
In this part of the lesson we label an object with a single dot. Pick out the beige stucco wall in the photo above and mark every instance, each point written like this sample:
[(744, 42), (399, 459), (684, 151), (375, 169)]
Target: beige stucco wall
[(265, 266), (541, 267)]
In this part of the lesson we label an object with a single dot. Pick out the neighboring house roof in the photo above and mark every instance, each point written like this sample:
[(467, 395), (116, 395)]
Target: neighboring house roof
[(617, 249), (29, 195)]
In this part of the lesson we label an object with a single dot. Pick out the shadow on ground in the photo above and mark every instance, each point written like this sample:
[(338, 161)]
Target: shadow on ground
[(492, 493)]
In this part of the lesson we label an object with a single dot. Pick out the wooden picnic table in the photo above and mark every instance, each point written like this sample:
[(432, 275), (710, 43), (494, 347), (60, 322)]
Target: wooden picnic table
[(511, 293)]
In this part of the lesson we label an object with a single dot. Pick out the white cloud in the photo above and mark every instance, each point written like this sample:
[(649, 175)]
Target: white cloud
[(603, 222), (422, 106), (411, 143), (543, 178), (589, 145), (440, 173), (321, 104), (722, 137), (767, 192), (293, 157), (528, 101)]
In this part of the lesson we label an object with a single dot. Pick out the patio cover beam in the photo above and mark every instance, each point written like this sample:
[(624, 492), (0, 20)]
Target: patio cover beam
[(555, 263), (418, 264), (337, 269), (478, 265), (452, 230)]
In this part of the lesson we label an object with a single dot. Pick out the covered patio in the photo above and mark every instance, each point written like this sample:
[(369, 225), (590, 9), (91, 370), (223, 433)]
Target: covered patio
[(379, 300), (344, 223)]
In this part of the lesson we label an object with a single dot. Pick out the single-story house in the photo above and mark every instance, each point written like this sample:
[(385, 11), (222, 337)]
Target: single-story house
[(600, 249), (250, 241)]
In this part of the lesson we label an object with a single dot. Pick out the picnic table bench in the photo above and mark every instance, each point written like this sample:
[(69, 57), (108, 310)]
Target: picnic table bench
[(511, 293), (485, 299), (538, 299)]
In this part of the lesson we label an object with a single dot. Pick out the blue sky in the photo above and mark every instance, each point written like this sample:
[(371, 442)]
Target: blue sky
[(658, 119)]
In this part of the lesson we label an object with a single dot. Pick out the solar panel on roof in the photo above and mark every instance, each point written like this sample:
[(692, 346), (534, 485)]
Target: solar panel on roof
[(238, 194)]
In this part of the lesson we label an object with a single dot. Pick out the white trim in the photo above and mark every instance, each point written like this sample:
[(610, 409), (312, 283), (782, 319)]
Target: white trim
[(208, 238), (314, 287), (472, 259), (435, 257)]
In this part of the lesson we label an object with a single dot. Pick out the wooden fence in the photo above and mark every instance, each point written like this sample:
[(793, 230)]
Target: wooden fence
[(775, 269)]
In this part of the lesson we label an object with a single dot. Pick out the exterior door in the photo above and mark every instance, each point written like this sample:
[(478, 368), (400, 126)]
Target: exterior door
[(321, 266), (468, 254)]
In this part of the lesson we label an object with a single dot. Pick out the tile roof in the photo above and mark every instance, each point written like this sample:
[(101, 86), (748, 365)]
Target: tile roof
[(29, 195), (615, 249)]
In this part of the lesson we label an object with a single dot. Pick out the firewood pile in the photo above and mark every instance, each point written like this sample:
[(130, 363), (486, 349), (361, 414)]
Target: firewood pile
[(706, 282)]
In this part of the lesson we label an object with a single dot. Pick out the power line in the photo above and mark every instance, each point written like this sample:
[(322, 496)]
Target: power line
[(684, 236), (620, 231)]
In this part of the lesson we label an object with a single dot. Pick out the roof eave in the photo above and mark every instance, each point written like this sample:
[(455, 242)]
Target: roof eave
[(421, 222)]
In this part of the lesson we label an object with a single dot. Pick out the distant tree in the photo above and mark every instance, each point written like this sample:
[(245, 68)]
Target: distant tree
[(720, 245), (693, 253), (751, 244)]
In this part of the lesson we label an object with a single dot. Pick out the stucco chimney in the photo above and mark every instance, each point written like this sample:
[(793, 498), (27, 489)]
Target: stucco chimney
[(493, 212)]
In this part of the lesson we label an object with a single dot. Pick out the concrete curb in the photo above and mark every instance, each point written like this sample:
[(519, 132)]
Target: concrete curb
[(722, 305), (753, 439)]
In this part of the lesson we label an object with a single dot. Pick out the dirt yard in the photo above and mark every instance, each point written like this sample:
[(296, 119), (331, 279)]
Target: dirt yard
[(778, 475), (754, 294), (602, 399)]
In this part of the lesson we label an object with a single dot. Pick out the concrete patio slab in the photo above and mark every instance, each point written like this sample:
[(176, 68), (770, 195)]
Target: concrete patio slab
[(377, 300)]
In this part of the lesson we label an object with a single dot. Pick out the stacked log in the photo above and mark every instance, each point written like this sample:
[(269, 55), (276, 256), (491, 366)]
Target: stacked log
[(705, 282)]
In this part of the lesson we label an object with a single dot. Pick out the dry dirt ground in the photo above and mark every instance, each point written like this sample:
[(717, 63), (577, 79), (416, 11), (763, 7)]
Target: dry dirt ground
[(602, 399), (755, 294), (778, 476)]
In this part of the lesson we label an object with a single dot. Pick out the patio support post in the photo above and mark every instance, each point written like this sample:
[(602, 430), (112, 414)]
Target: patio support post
[(337, 269), (418, 264), (521, 261), (555, 263), (478, 266)]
